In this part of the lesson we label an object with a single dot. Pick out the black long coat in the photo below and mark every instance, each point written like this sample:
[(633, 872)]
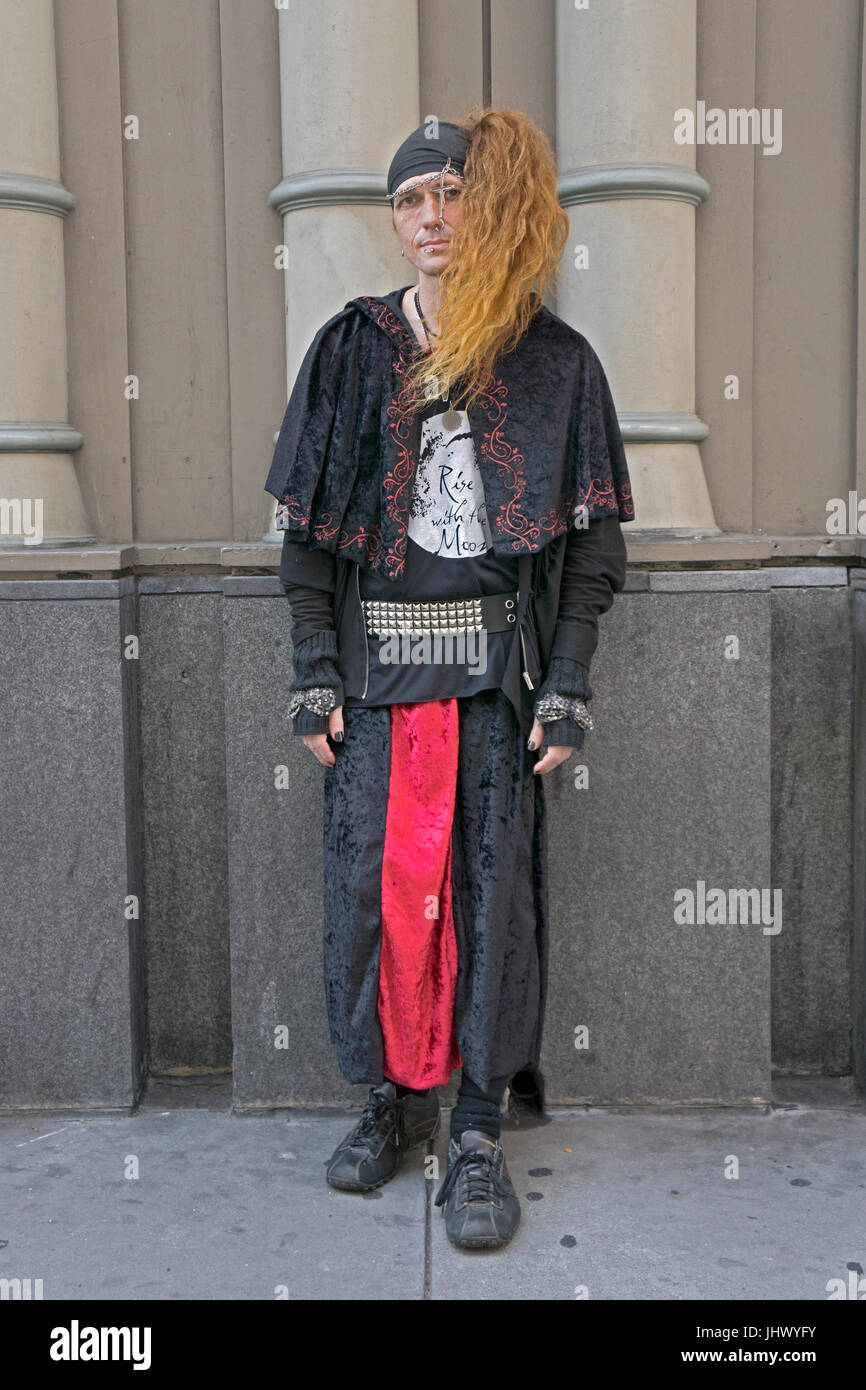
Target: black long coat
[(548, 445)]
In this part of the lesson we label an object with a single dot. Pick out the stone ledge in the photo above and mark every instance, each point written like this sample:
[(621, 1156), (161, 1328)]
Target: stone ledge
[(768, 577), (49, 589), (656, 581), (219, 556)]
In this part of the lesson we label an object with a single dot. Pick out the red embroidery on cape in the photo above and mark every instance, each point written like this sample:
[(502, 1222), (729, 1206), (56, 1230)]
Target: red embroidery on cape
[(558, 519), (399, 412), (510, 520), (387, 319), (289, 513), (600, 493), (370, 538), (324, 530), (627, 502)]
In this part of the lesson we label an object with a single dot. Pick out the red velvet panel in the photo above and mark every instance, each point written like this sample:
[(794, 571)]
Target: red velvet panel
[(418, 966)]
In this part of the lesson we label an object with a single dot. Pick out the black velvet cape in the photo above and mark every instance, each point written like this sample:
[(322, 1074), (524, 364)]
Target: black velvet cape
[(545, 433)]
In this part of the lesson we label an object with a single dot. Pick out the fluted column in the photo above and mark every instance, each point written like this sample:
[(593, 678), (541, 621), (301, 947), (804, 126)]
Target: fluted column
[(37, 468), (349, 96), (631, 191)]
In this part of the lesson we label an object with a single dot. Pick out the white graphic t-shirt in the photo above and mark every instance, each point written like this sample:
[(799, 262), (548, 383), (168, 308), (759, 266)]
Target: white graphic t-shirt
[(448, 516)]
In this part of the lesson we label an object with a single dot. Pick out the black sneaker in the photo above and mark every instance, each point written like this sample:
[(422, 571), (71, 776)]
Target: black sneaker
[(370, 1154), (481, 1206)]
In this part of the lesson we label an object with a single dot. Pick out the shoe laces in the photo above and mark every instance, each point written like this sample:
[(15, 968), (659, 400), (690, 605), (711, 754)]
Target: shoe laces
[(476, 1170), (376, 1119)]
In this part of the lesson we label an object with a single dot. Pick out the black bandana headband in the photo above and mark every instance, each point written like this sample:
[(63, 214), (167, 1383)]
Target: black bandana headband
[(422, 153)]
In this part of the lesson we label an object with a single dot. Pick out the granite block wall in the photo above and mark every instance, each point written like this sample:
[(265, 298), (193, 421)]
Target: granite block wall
[(728, 752)]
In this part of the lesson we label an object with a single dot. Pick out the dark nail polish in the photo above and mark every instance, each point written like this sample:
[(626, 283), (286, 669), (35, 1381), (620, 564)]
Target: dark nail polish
[(531, 743), (338, 736)]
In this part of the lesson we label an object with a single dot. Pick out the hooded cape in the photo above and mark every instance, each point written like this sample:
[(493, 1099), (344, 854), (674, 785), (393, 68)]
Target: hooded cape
[(545, 432)]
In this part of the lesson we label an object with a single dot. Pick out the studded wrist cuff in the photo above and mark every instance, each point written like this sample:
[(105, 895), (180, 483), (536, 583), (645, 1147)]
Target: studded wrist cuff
[(319, 698), (553, 706)]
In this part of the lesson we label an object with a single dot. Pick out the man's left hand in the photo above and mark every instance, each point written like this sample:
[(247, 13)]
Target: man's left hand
[(553, 756)]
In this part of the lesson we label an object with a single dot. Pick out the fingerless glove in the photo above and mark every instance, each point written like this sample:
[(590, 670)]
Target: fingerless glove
[(568, 680), (316, 674)]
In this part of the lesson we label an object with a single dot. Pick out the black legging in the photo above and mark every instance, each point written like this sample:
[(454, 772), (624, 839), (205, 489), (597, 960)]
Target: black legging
[(475, 1109)]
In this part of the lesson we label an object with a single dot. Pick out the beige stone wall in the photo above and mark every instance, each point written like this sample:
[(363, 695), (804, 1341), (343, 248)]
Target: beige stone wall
[(777, 263), (170, 261)]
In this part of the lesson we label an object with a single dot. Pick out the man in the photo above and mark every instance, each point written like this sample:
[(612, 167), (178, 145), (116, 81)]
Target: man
[(449, 459)]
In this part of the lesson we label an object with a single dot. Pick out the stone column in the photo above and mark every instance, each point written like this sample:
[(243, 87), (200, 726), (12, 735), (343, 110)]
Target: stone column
[(631, 191), (39, 491), (349, 95)]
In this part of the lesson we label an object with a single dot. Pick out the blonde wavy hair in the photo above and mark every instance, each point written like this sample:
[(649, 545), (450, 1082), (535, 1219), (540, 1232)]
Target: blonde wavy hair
[(505, 252)]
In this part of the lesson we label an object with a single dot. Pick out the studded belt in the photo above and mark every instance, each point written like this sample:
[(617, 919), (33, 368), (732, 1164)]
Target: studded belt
[(494, 612)]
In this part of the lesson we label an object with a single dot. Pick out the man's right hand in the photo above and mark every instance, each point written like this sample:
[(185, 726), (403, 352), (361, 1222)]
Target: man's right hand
[(318, 743)]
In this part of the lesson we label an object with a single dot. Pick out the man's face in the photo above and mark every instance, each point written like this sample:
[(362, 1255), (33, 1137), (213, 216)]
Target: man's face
[(425, 236)]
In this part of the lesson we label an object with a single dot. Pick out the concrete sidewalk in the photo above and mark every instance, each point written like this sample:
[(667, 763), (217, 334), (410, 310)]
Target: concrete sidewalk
[(622, 1202)]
